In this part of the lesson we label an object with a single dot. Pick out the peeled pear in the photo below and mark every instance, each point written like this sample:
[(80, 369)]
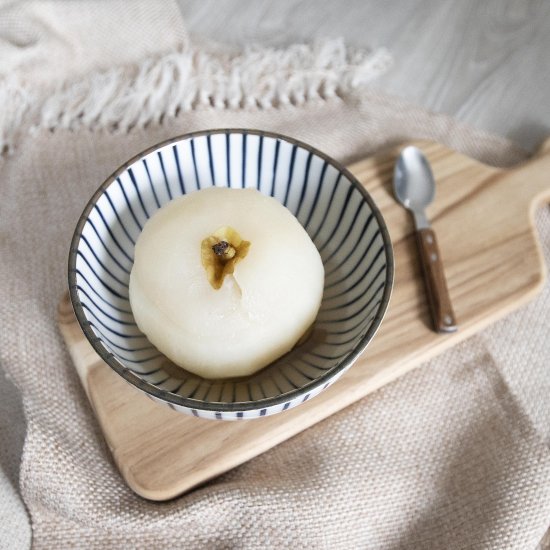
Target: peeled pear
[(225, 281)]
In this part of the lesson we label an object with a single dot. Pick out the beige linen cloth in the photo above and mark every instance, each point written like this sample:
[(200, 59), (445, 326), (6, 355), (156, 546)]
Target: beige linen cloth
[(453, 455)]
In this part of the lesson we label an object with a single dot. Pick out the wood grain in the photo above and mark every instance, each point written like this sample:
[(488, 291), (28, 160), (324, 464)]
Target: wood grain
[(470, 59), (483, 219)]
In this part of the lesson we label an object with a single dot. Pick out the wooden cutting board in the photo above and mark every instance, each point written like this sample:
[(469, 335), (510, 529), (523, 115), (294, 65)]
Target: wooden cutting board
[(483, 218)]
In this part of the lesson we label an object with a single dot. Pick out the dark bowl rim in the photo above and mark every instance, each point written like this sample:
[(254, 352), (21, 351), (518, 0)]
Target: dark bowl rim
[(198, 405)]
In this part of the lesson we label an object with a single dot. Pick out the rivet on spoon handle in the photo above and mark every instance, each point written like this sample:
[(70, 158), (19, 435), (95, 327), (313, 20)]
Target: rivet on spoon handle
[(436, 287)]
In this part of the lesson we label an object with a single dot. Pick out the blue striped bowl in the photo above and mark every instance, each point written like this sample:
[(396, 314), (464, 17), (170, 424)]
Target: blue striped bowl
[(338, 214)]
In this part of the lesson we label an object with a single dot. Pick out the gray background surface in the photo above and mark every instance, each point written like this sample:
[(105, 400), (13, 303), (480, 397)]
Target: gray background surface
[(485, 62)]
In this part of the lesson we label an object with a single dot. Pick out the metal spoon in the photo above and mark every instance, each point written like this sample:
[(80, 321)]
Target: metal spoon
[(414, 188)]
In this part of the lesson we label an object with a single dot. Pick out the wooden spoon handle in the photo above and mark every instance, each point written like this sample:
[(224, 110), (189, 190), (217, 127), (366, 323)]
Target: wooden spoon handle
[(436, 287)]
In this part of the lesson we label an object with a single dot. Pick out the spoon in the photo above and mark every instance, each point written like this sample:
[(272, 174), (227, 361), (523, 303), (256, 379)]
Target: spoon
[(414, 188)]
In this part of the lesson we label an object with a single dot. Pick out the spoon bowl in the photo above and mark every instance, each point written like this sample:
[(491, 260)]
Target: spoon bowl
[(413, 180)]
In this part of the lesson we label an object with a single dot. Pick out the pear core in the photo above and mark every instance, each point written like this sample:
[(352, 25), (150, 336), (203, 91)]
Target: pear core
[(225, 281), (220, 253)]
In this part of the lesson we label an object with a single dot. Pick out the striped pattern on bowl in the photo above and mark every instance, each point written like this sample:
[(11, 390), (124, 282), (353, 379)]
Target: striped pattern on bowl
[(337, 213)]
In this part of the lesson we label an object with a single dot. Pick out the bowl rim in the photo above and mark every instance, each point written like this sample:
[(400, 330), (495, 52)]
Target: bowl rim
[(197, 404)]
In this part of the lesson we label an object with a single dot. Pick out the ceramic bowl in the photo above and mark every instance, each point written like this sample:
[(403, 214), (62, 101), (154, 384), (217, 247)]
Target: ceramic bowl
[(338, 214)]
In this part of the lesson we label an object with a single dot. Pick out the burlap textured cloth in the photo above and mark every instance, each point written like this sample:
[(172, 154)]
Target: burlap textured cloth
[(453, 455)]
